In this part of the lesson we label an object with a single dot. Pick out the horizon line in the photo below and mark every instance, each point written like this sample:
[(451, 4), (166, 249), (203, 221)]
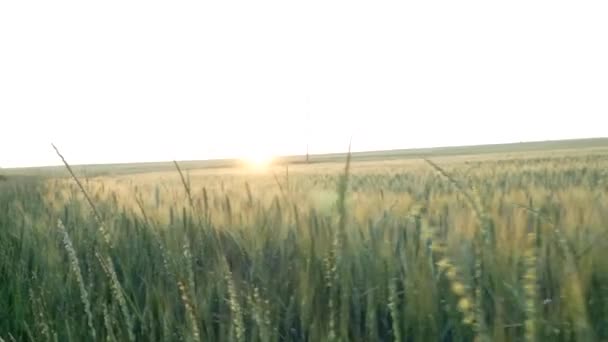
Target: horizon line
[(324, 154)]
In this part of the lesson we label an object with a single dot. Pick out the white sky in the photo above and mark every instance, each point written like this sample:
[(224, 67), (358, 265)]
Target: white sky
[(119, 81)]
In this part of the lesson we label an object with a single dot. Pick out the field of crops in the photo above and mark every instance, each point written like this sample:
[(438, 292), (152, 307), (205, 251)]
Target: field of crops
[(501, 247)]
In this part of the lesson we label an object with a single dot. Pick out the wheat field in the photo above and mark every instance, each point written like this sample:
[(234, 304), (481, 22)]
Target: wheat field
[(489, 247)]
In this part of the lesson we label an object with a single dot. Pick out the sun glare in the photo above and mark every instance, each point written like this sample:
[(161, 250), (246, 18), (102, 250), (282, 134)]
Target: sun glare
[(258, 160)]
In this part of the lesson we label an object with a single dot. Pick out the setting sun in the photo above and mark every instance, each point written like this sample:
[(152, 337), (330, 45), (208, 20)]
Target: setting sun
[(258, 160)]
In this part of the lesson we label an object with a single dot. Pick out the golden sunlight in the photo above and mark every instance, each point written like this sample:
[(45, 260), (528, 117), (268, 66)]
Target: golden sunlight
[(258, 160)]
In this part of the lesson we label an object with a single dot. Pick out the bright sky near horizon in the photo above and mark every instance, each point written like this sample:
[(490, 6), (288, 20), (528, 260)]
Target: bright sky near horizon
[(129, 81)]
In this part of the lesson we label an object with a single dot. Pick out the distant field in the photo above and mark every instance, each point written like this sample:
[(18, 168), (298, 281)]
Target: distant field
[(527, 149), (484, 243)]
